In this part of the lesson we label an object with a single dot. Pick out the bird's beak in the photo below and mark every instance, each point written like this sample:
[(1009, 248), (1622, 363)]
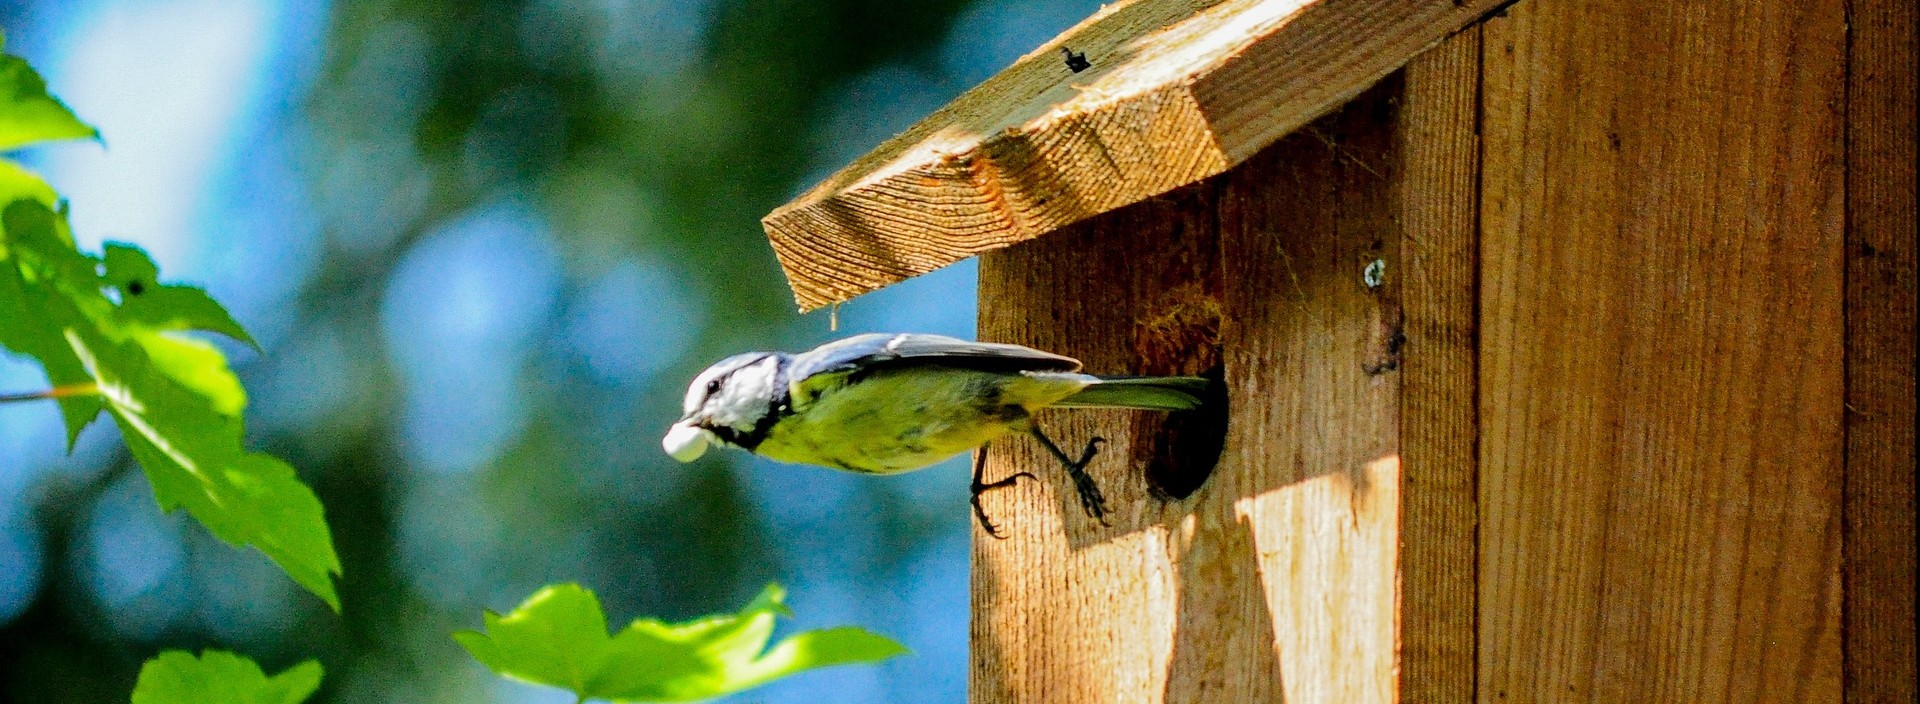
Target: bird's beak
[(687, 442)]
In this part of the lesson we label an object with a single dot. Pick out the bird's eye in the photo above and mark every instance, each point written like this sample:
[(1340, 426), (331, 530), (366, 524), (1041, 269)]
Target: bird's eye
[(713, 387)]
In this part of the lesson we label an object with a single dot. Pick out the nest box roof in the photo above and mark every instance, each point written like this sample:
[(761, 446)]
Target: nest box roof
[(1141, 98)]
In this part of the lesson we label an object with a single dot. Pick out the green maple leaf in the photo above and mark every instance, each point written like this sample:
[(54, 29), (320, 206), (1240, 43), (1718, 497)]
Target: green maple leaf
[(146, 302), (28, 114), (558, 637), (36, 257), (177, 404), (216, 677), (108, 323), (17, 182)]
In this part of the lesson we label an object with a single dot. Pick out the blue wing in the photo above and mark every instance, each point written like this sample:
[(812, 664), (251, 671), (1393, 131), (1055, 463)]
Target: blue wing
[(830, 364)]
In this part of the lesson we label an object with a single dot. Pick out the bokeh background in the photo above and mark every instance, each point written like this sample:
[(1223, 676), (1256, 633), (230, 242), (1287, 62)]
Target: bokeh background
[(484, 244)]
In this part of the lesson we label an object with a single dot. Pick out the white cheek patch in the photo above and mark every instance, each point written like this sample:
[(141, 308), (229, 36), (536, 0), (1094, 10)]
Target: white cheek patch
[(744, 398)]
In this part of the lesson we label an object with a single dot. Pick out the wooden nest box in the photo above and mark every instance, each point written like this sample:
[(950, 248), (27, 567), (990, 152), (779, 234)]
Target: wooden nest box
[(1569, 346)]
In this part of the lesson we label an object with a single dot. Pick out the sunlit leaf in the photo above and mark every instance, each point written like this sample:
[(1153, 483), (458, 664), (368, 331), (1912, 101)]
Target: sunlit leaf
[(36, 256), (177, 404), (146, 302), (28, 114), (17, 182), (216, 677), (558, 637)]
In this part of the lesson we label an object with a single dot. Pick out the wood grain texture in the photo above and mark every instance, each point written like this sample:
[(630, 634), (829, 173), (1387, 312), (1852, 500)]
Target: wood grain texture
[(1179, 90), (1066, 610), (1436, 203), (1879, 523), (1276, 580), (1661, 352), (1309, 357)]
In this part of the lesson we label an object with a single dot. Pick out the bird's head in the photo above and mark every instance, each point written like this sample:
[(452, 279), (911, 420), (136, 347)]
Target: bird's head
[(726, 404)]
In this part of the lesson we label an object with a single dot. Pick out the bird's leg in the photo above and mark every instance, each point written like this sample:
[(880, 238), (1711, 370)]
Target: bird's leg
[(979, 487), (1090, 499)]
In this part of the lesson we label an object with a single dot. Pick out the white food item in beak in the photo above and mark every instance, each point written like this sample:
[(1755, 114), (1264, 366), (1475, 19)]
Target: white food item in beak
[(687, 442)]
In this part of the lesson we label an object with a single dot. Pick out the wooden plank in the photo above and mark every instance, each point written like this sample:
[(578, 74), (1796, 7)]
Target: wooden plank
[(1437, 197), (1178, 90), (1065, 610), (1661, 352), (1879, 524), (1317, 426), (1275, 581)]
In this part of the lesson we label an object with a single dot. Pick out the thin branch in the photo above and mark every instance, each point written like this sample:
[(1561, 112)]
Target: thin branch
[(57, 392)]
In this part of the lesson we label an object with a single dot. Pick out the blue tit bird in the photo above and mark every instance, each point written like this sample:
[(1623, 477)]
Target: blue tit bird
[(886, 404)]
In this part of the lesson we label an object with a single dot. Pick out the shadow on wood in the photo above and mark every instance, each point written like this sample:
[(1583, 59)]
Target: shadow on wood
[(1224, 645), (1240, 591)]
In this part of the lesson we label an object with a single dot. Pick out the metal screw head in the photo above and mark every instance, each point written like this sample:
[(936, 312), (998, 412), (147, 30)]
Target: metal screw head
[(1375, 275)]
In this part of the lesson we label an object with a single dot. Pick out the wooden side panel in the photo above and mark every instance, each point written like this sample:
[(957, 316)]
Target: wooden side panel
[(1437, 199), (1661, 399), (1064, 609), (1276, 580), (1314, 371), (1880, 353)]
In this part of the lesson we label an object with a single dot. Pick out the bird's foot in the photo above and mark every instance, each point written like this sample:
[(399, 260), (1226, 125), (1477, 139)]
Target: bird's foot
[(978, 487)]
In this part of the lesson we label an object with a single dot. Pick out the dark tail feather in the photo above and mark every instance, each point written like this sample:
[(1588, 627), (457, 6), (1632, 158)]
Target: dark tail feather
[(1151, 393)]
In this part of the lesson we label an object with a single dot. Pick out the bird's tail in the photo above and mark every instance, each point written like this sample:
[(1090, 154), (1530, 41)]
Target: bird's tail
[(1151, 393)]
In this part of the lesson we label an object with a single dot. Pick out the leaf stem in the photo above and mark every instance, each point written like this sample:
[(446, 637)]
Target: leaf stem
[(57, 392)]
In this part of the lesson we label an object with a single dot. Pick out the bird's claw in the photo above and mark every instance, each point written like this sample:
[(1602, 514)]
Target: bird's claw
[(978, 487), (985, 524)]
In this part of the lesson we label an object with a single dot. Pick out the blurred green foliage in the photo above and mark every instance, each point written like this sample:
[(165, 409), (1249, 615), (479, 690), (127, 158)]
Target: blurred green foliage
[(558, 637), (217, 677), (438, 107), (28, 113)]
